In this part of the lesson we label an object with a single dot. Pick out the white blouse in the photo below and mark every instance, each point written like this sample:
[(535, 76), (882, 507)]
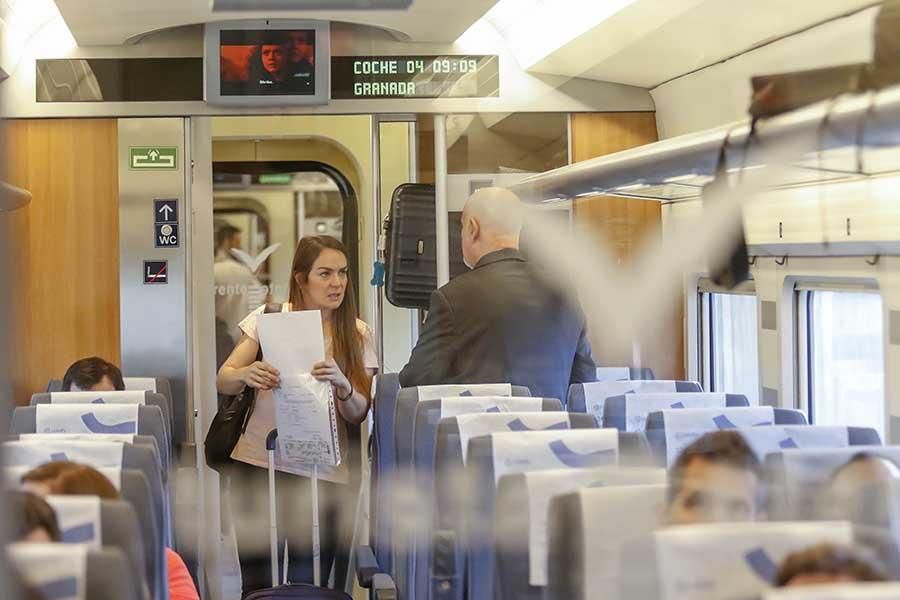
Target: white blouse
[(251, 447)]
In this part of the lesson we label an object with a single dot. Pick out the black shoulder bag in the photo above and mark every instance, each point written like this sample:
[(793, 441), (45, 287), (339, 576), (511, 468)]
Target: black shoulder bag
[(231, 421)]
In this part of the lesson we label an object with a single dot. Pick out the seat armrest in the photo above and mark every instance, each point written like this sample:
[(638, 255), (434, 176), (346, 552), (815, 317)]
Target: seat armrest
[(383, 587), (366, 566)]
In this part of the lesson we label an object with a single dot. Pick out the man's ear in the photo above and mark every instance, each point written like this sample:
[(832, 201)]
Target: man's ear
[(475, 226)]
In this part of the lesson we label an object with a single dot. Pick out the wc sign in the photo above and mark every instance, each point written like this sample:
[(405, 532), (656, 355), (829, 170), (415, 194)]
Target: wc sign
[(165, 223)]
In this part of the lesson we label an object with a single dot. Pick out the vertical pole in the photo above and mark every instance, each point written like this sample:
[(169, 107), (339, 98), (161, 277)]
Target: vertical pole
[(378, 238), (317, 550), (273, 520), (442, 236)]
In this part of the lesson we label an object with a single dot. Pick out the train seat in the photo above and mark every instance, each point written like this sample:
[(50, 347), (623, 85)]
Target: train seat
[(105, 523), (99, 418), (384, 401), (586, 530), (127, 397), (725, 560), (671, 431), (523, 500), (138, 440), (624, 373), (544, 413), (490, 457), (591, 397), (75, 572), (837, 591), (628, 412), (401, 431)]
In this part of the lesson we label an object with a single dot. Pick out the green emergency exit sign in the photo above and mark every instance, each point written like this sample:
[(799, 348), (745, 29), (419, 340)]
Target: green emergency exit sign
[(154, 157)]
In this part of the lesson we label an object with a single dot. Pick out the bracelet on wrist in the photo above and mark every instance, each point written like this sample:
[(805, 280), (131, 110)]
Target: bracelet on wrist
[(345, 398)]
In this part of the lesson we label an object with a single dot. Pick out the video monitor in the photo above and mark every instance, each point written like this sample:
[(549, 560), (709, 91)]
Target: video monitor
[(267, 63)]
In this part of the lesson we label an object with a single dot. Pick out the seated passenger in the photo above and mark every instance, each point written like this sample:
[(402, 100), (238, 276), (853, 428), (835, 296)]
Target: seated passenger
[(715, 479), (826, 563), (68, 478), (93, 375), (32, 519)]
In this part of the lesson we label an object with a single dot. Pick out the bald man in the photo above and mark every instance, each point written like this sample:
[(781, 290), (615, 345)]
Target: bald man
[(499, 323)]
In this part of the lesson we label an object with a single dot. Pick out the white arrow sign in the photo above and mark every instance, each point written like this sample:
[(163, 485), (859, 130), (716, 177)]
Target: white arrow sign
[(166, 210)]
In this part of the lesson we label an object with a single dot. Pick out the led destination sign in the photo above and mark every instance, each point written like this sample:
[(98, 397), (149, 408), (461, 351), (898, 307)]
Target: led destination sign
[(460, 76)]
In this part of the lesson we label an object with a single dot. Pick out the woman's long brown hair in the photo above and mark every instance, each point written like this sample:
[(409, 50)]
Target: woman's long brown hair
[(346, 340)]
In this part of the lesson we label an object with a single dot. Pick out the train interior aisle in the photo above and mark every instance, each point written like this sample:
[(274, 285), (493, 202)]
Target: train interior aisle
[(426, 300)]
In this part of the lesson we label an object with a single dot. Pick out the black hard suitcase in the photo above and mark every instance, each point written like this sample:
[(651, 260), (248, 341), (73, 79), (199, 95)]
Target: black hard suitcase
[(292, 591), (410, 252)]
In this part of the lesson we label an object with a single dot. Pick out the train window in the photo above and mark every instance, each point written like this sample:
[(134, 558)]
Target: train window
[(730, 357), (842, 357)]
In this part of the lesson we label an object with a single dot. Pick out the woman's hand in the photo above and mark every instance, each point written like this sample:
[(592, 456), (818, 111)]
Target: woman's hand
[(328, 370), (261, 376)]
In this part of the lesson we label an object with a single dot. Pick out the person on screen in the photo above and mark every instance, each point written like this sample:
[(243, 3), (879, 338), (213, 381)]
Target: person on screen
[(269, 68), (715, 479), (302, 59), (320, 280), (827, 564), (93, 375)]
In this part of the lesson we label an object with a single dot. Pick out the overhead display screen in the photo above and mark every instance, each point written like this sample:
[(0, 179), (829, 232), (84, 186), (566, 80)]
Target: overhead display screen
[(371, 77), (267, 62)]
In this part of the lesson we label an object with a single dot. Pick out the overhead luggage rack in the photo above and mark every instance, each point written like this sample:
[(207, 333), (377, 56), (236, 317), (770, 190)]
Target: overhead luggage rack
[(846, 138)]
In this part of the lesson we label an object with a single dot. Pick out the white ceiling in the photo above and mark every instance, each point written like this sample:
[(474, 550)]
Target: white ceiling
[(652, 41), (114, 22)]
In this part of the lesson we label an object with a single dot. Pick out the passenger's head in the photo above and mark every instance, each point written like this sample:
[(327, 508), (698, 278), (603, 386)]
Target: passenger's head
[(62, 478), (320, 280), (863, 469), (864, 491), (31, 518), (93, 375), (227, 237), (715, 479), (826, 563), (491, 221)]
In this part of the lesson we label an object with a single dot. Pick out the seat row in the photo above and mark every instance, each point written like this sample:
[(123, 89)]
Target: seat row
[(117, 549), (449, 461)]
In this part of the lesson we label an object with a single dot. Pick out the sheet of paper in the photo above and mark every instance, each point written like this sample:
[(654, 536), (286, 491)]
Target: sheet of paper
[(292, 342), (306, 421)]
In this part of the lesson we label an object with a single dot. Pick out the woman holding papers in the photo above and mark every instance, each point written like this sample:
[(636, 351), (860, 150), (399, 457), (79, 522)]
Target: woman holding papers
[(320, 280)]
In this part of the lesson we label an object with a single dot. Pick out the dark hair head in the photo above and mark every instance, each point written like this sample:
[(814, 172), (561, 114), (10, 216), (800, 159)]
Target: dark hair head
[(830, 560), (224, 233), (728, 448), (88, 372), (72, 479), (30, 512), (347, 342)]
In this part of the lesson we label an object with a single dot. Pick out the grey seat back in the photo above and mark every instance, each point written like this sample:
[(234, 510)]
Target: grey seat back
[(66, 572), (384, 405), (591, 397), (523, 502), (737, 560), (491, 457), (428, 415), (127, 397), (98, 523), (147, 420), (670, 431), (624, 373), (587, 530), (628, 412), (403, 426), (145, 441)]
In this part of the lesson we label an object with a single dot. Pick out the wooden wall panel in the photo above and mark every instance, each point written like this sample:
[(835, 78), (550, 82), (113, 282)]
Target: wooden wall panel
[(68, 237), (626, 224)]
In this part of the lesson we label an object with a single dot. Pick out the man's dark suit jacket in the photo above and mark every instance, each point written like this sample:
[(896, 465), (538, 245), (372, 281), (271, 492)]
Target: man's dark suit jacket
[(499, 323)]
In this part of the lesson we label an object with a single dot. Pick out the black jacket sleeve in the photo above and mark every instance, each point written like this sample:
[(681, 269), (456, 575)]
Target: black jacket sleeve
[(584, 370), (432, 358)]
